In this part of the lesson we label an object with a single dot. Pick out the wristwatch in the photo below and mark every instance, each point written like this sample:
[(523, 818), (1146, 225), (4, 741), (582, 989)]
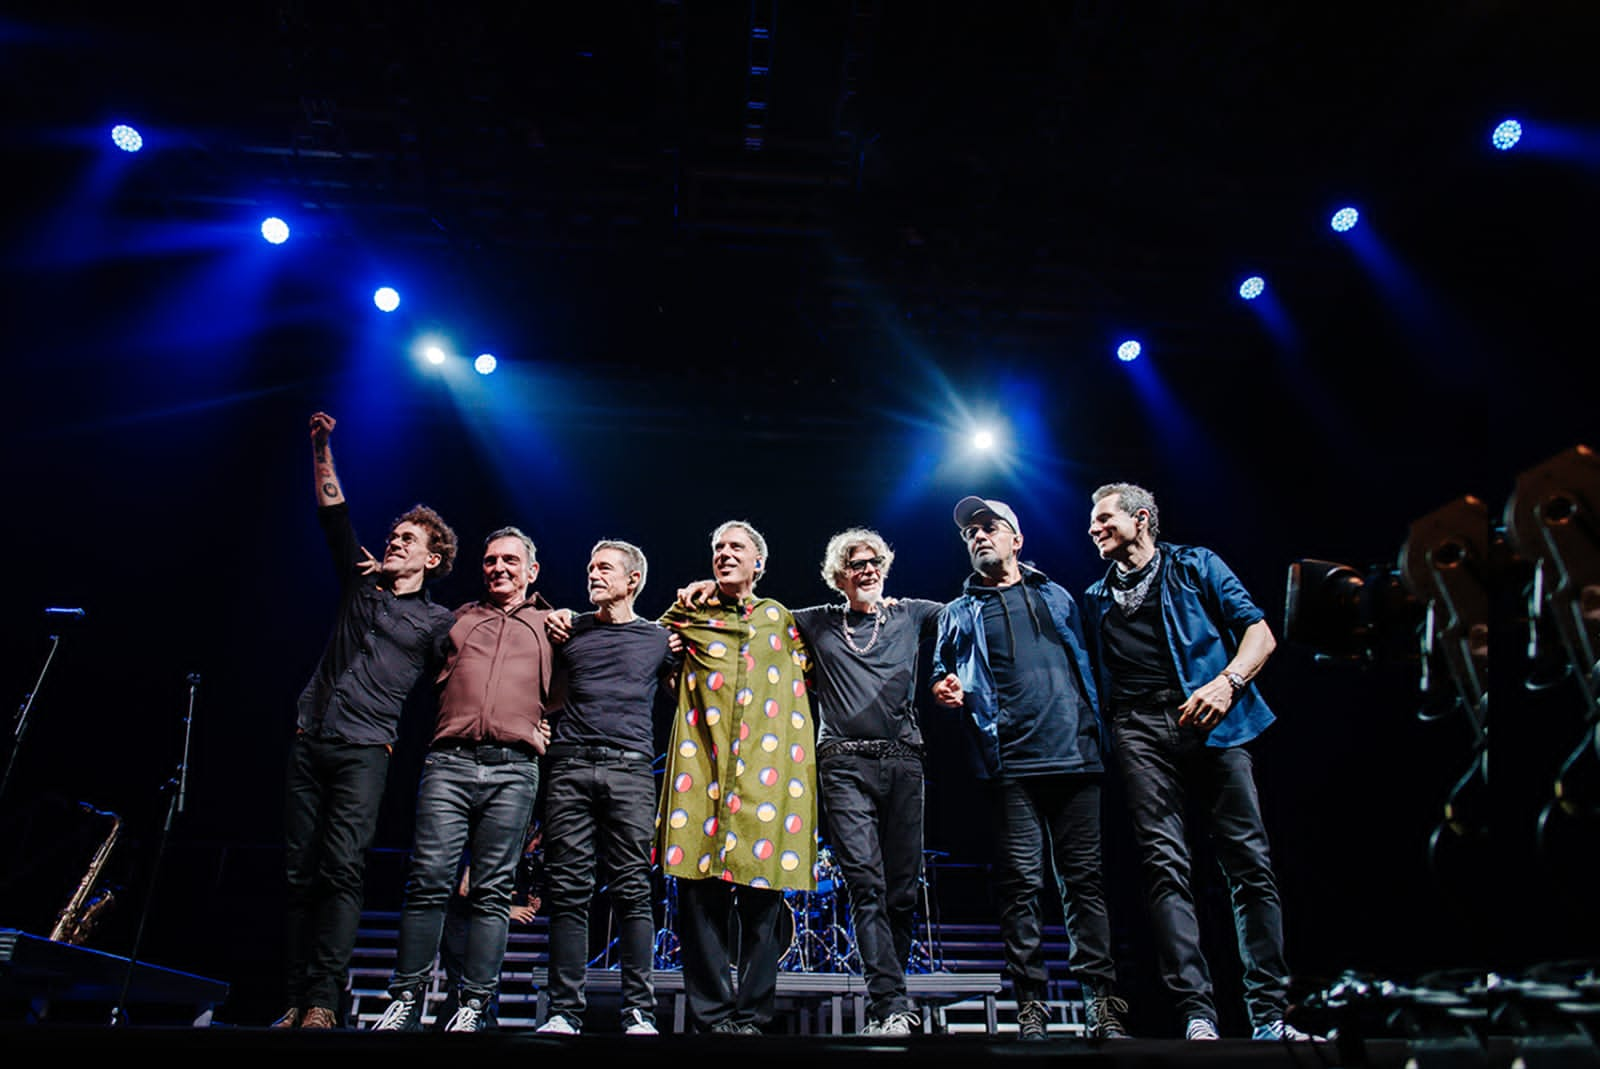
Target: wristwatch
[(1235, 680)]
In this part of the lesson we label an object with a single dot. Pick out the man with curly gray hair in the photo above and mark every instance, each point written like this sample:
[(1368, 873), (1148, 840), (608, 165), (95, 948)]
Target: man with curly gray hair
[(870, 758)]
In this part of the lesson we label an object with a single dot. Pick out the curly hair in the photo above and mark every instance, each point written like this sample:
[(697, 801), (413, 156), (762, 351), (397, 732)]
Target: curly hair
[(836, 558), (1132, 498), (441, 539)]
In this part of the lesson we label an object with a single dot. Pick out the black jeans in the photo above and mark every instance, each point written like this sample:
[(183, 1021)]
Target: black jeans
[(709, 911), (1055, 817), (1167, 768), (334, 793), (599, 803), (874, 809), (478, 800)]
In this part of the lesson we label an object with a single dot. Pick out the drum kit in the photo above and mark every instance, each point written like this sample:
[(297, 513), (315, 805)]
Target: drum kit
[(821, 932)]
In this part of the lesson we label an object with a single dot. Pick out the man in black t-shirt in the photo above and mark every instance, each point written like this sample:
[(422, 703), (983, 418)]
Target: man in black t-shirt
[(869, 758), (600, 790)]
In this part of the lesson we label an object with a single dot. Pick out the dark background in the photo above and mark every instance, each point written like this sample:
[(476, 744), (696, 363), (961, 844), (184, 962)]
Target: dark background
[(944, 212)]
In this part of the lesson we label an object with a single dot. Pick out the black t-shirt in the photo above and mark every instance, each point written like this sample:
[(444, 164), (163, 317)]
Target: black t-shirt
[(1135, 647), (871, 694), (1032, 673), (613, 672)]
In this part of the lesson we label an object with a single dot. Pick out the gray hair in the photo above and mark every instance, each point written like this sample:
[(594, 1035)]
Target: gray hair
[(517, 533), (1132, 498), (630, 552), (836, 558), (755, 536)]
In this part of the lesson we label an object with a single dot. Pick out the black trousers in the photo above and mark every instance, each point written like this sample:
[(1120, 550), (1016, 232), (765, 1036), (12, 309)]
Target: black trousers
[(1052, 820), (335, 790), (1167, 770), (874, 808), (714, 918)]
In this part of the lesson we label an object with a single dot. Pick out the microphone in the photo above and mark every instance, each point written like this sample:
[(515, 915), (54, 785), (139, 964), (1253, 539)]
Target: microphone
[(64, 612)]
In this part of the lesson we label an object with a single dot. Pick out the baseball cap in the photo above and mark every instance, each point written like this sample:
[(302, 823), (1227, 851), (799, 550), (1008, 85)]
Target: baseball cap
[(970, 508)]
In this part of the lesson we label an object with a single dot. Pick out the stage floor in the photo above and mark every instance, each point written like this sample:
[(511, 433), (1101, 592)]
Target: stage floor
[(210, 1046)]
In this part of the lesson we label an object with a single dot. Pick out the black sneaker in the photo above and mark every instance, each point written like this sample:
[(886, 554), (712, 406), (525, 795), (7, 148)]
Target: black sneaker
[(1102, 1014), (471, 1017), (1033, 1020), (404, 1013)]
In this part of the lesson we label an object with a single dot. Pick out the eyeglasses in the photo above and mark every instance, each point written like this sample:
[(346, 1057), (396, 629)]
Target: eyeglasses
[(970, 531), (859, 566)]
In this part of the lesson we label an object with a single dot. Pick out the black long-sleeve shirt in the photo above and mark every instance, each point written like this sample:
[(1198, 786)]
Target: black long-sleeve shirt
[(382, 644)]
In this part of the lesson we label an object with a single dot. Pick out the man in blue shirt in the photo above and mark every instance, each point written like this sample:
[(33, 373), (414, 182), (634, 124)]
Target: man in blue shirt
[(1010, 653), (1178, 640)]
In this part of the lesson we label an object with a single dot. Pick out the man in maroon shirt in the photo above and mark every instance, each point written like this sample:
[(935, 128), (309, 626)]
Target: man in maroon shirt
[(479, 781)]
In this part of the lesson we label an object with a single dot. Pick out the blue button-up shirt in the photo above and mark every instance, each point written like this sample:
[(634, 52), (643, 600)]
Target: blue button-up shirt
[(1205, 608)]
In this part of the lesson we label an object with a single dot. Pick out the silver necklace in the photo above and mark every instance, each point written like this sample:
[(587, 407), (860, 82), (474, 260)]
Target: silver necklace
[(849, 636), (1129, 599)]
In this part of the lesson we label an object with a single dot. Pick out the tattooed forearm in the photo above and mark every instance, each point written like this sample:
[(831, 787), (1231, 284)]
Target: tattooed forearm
[(330, 489)]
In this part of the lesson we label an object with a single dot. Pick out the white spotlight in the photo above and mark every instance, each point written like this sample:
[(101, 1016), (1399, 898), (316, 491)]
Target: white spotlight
[(387, 298), (983, 440), (275, 230), (126, 138), (485, 364), (433, 354)]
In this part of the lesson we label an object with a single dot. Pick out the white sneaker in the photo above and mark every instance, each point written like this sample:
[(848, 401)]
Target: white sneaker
[(560, 1024), (636, 1023), (1283, 1030), (903, 1023), (1201, 1028)]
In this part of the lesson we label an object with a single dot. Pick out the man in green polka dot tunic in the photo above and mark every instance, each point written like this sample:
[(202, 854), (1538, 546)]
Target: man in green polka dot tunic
[(739, 791)]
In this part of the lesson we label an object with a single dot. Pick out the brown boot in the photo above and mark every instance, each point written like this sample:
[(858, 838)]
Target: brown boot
[(319, 1017), (290, 1019)]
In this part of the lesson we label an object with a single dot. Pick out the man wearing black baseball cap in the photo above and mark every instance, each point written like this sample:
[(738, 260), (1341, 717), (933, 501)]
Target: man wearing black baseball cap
[(1011, 654)]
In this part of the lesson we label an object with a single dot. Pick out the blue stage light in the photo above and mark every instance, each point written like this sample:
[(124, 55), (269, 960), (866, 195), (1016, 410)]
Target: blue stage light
[(275, 230), (434, 354), (1506, 134), (485, 364), (1251, 287), (983, 440), (1129, 351), (1344, 219), (126, 138), (387, 298)]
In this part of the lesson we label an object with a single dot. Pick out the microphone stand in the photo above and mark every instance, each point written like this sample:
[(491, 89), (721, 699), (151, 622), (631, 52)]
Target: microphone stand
[(22, 714), (178, 786)]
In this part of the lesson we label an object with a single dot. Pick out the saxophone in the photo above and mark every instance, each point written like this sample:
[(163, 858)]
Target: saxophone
[(81, 912)]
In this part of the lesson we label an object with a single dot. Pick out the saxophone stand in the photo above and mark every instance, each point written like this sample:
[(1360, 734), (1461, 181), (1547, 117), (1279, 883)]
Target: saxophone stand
[(177, 787)]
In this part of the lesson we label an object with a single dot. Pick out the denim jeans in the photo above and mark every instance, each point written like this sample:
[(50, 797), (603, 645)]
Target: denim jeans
[(334, 793), (874, 812), (461, 798), (600, 807), (1167, 768), (1054, 817)]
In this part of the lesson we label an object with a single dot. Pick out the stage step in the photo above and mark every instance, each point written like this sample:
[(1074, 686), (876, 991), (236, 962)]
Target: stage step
[(999, 1017)]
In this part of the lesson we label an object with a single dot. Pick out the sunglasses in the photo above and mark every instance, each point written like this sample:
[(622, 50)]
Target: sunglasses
[(859, 566), (970, 531)]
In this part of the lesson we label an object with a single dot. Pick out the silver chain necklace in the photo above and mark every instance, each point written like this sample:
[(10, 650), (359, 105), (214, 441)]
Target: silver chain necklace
[(849, 636), (1129, 599)]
